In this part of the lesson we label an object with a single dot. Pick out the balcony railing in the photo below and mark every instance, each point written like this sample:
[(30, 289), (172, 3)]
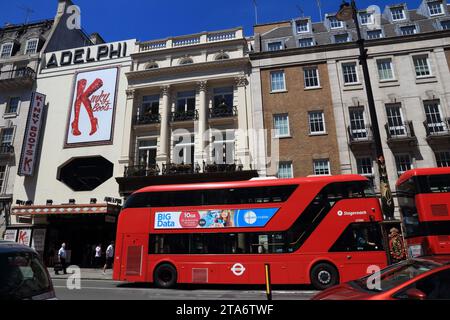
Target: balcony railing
[(360, 136), (440, 129), (188, 115), (180, 168), (222, 167), (195, 39), (22, 73), (6, 149), (404, 130), (147, 119), (222, 112), (142, 171)]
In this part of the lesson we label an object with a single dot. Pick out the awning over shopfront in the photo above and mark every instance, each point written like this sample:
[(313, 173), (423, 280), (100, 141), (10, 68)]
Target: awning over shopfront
[(109, 209)]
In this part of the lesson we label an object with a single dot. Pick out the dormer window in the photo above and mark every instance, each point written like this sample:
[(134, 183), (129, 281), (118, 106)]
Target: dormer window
[(341, 38), (306, 42), (32, 46), (335, 23), (222, 56), (436, 8), (374, 34), (302, 26), (408, 30), (445, 25), (152, 65), (366, 18), (6, 50), (275, 46), (398, 13), (186, 61)]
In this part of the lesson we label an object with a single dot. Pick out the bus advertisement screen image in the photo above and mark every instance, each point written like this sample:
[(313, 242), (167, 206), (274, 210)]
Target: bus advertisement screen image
[(224, 218)]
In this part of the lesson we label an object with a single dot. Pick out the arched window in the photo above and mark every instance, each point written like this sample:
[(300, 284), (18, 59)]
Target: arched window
[(222, 56), (186, 61), (152, 65)]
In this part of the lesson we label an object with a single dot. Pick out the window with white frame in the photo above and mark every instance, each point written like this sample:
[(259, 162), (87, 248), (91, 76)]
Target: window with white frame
[(403, 162), (146, 152), (395, 120), (398, 13), (357, 123), (281, 125), (2, 177), (183, 150), (277, 81), (32, 46), (442, 158), (436, 8), (422, 66), (13, 105), (445, 24), (366, 18), (335, 23), (434, 117), (6, 50), (275, 46), (385, 69), (316, 122), (374, 34), (285, 170), (364, 166), (322, 167), (311, 76), (350, 73), (341, 38), (302, 26), (408, 30), (223, 144), (7, 136), (306, 42)]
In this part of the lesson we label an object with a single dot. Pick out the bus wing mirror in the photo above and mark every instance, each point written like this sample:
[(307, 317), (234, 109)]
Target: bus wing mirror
[(415, 294)]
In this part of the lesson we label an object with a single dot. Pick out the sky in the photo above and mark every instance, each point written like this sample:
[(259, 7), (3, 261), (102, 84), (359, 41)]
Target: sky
[(149, 19)]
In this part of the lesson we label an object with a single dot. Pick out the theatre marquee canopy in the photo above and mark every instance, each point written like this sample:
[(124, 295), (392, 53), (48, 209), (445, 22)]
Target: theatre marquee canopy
[(109, 209)]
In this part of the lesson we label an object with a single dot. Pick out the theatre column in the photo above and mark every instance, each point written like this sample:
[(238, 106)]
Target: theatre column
[(200, 154), (242, 134), (163, 152), (126, 136)]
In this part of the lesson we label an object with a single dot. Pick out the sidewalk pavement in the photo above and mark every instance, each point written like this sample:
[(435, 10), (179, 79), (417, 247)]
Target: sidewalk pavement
[(86, 274)]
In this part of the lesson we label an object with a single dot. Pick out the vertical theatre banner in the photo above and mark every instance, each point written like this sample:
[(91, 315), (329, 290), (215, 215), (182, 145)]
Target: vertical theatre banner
[(92, 108), (28, 157)]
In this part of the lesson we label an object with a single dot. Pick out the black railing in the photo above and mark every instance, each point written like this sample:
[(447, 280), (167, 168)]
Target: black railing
[(17, 74), (437, 129), (6, 149), (404, 130), (360, 135), (180, 168), (147, 119), (188, 115), (142, 171), (221, 167), (222, 112)]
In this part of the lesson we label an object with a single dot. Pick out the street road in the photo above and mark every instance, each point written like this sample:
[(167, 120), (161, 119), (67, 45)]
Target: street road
[(113, 290)]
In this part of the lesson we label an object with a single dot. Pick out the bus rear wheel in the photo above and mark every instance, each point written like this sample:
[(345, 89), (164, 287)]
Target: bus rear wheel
[(323, 276), (165, 276)]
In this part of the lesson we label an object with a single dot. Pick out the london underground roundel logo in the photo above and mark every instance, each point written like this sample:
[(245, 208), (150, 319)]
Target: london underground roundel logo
[(340, 213), (238, 269), (250, 217)]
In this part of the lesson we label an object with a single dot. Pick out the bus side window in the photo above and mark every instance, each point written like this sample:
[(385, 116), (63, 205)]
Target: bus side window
[(359, 237)]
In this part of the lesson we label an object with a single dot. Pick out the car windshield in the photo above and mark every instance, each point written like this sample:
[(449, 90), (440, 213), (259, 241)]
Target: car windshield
[(395, 275), (22, 276)]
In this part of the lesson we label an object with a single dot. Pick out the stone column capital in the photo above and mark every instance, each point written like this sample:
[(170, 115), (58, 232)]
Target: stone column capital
[(241, 81), (165, 90), (202, 85), (130, 94)]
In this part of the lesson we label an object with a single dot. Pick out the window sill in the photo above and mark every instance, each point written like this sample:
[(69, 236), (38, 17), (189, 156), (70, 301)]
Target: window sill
[(10, 115), (427, 79), (283, 137), (313, 88), (318, 134), (278, 91), (353, 86), (388, 83)]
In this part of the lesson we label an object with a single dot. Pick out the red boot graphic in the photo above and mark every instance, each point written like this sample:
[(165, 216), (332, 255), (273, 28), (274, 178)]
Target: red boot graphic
[(83, 98)]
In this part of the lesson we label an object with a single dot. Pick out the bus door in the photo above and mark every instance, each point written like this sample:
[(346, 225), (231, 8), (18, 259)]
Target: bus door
[(134, 253)]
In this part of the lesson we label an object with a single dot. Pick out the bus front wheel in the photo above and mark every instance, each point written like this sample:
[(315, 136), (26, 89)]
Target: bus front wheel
[(324, 275), (165, 276)]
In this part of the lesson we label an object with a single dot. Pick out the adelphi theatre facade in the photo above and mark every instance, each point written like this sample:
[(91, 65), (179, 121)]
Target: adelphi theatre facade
[(65, 184)]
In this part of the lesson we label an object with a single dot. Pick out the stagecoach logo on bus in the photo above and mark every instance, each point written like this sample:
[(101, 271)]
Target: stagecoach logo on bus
[(341, 213), (92, 107), (227, 218)]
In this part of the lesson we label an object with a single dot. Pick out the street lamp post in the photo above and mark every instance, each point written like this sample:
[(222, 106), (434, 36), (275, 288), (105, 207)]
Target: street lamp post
[(348, 12)]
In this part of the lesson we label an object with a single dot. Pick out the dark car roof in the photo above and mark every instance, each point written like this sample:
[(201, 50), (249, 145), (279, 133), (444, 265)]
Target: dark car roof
[(9, 246), (440, 259)]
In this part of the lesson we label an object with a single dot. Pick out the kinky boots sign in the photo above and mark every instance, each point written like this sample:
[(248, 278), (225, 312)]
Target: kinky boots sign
[(87, 55)]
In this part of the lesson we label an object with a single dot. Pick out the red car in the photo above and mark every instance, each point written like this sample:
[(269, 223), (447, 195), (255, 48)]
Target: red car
[(424, 278)]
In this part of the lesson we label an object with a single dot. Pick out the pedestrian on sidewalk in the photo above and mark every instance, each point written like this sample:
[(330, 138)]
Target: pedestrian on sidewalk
[(98, 256), (62, 255), (109, 257)]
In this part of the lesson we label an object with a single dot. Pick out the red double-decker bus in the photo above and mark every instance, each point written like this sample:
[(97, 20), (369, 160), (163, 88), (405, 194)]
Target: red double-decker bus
[(319, 230), (424, 201)]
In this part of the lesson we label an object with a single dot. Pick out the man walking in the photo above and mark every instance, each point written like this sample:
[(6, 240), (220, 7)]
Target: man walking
[(62, 255), (109, 257)]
